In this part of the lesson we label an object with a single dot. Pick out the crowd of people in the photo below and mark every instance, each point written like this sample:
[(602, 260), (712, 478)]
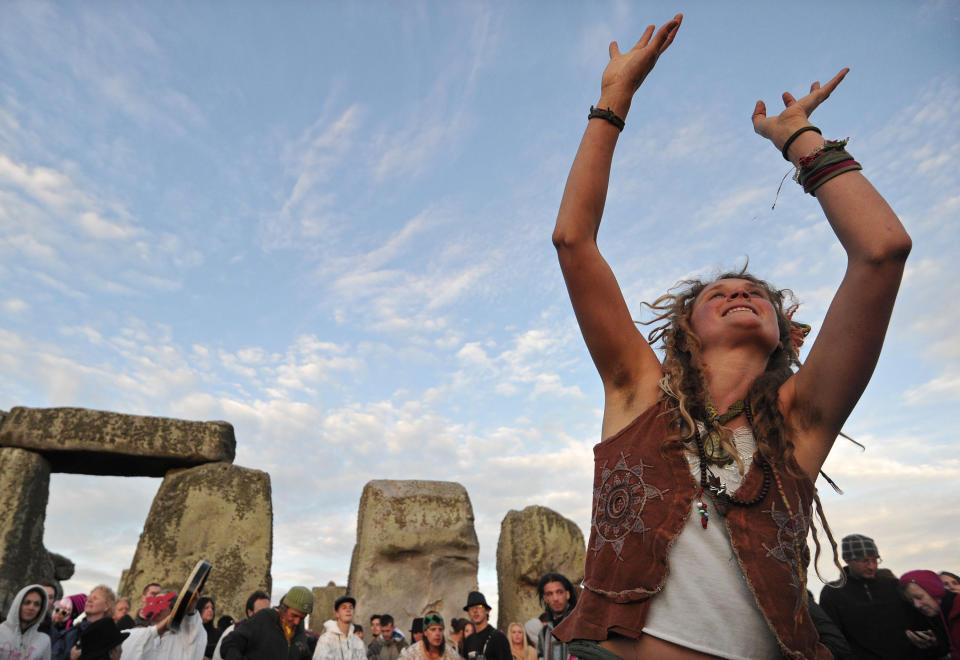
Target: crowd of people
[(867, 613)]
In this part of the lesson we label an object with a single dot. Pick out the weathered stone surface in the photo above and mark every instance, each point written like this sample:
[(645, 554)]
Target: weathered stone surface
[(63, 568), (416, 549), (218, 512), (323, 600), (532, 542), (98, 442), (24, 484)]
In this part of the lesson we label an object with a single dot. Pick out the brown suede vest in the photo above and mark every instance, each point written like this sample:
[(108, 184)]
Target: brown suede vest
[(641, 499)]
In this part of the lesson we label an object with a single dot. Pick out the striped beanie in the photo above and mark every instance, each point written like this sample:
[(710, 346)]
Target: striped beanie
[(858, 546)]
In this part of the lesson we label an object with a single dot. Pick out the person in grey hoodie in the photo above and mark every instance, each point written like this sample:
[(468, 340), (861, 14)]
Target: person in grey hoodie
[(19, 637)]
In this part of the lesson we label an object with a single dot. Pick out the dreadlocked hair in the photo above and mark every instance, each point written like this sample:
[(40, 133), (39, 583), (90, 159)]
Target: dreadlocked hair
[(684, 386)]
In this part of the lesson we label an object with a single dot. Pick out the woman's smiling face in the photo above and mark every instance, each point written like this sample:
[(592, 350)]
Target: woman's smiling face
[(735, 306)]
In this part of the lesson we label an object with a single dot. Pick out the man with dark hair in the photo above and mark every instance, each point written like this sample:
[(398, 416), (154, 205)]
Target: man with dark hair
[(388, 646), (257, 601), (487, 643), (558, 599), (53, 595), (149, 591), (374, 628), (273, 634), (416, 630), (868, 609)]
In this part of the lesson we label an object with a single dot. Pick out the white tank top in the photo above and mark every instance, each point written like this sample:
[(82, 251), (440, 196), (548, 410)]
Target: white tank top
[(706, 604)]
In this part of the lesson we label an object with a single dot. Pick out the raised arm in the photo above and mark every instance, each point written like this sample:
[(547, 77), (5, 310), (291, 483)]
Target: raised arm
[(628, 366), (820, 397)]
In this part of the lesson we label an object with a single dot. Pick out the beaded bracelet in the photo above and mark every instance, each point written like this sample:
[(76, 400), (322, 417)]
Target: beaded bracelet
[(607, 114)]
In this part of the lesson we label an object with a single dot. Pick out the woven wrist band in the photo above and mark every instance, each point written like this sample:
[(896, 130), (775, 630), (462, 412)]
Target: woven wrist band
[(608, 115), (825, 175)]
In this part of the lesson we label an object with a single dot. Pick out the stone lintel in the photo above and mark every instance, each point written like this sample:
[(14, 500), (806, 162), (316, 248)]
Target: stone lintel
[(98, 442)]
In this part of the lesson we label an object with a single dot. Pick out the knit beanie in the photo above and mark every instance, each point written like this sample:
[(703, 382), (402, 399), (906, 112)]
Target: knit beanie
[(858, 546), (926, 580), (300, 599), (79, 603)]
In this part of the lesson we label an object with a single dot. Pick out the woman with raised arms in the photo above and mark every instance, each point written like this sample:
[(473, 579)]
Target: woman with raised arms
[(704, 478)]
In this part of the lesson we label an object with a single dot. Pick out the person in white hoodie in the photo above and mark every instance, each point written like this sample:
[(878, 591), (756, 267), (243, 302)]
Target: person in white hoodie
[(19, 637), (338, 641)]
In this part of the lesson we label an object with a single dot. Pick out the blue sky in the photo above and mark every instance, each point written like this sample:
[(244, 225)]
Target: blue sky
[(329, 224)]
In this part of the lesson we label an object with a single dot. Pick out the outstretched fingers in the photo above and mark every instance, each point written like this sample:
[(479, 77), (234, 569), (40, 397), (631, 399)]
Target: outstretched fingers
[(644, 38), (759, 114), (666, 34), (832, 85), (820, 94)]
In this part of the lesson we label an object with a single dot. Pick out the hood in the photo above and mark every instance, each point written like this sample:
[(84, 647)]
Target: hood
[(330, 625), (13, 616)]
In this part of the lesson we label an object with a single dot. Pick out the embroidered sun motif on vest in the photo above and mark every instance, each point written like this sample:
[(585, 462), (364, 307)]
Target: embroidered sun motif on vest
[(791, 546), (619, 501)]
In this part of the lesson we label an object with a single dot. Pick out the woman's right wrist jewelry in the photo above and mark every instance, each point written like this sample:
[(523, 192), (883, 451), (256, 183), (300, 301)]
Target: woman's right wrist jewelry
[(608, 115)]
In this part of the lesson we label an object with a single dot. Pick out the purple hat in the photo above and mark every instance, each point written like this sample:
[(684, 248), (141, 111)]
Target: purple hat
[(79, 603), (926, 580)]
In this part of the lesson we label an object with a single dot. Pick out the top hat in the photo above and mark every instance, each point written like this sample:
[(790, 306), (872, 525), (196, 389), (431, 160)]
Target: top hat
[(100, 637), (476, 598)]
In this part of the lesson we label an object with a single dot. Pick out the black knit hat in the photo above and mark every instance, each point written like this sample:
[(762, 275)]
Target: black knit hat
[(858, 546), (476, 598)]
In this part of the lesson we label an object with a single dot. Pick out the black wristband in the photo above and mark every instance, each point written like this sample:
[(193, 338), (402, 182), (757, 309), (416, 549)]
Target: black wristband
[(608, 114), (786, 145)]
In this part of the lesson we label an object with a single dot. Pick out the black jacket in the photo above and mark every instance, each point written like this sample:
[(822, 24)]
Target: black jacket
[(874, 617), (490, 643), (261, 638)]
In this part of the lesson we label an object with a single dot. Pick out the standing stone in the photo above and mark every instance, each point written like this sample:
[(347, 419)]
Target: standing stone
[(98, 442), (323, 600), (532, 542), (416, 550), (24, 486), (218, 512)]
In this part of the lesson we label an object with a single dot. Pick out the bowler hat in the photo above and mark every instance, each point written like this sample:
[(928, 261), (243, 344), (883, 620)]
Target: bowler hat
[(99, 638), (476, 598)]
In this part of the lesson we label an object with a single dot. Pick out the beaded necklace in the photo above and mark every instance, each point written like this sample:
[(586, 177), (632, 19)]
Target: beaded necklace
[(721, 498)]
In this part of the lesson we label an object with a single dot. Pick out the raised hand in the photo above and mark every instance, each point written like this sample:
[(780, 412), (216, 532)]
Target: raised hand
[(796, 113), (626, 71)]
